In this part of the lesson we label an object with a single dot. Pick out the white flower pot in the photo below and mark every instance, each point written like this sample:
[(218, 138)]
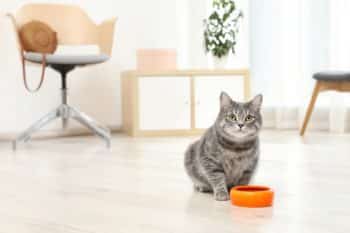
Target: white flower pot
[(220, 63)]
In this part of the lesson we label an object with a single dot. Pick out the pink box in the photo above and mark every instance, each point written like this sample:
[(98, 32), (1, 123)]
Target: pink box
[(156, 59)]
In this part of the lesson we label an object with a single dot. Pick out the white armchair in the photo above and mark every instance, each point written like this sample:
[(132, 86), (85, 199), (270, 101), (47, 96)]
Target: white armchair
[(73, 27)]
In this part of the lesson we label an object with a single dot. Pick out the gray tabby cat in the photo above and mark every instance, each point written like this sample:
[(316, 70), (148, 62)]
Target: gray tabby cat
[(227, 154)]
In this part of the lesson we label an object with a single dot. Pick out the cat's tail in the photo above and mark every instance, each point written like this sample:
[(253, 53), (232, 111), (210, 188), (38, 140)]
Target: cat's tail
[(189, 161)]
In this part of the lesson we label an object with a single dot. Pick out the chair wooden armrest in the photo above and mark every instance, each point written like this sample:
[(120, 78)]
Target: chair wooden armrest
[(106, 35)]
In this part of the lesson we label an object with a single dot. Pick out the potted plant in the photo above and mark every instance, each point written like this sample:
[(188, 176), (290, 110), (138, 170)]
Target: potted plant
[(221, 28)]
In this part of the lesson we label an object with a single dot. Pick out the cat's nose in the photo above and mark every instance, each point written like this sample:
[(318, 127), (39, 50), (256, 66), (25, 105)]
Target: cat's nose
[(240, 126)]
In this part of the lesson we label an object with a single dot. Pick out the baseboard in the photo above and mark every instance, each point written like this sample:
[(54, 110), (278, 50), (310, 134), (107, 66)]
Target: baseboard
[(47, 134)]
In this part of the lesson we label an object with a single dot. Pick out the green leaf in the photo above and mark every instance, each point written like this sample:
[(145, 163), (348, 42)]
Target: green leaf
[(226, 27)]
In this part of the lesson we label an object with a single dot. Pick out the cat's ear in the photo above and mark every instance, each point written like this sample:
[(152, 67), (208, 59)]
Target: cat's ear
[(225, 100), (256, 102)]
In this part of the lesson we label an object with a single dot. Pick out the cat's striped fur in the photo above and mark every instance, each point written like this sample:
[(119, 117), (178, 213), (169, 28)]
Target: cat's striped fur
[(227, 154)]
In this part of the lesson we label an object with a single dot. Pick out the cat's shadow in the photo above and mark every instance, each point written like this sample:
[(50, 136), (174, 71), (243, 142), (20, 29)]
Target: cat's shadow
[(204, 205), (202, 202)]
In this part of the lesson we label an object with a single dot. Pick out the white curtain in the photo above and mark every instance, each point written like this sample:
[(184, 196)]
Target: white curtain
[(290, 40)]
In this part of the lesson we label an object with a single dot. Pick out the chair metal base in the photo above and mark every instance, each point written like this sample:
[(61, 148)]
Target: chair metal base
[(65, 112)]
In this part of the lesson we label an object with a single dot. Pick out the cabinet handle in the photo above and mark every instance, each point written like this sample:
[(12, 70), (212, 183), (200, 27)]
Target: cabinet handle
[(198, 102), (187, 102)]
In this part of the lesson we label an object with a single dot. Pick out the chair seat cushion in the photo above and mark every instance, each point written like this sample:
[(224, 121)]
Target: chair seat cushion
[(332, 76), (61, 59)]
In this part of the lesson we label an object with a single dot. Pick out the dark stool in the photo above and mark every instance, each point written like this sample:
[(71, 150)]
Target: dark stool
[(326, 81)]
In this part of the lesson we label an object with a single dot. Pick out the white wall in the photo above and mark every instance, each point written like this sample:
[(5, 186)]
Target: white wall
[(287, 39), (95, 90)]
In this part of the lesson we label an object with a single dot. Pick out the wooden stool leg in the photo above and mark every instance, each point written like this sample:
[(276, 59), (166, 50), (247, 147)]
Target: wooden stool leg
[(310, 107)]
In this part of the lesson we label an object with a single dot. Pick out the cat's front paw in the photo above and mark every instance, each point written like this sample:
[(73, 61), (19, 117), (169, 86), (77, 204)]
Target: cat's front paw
[(221, 196)]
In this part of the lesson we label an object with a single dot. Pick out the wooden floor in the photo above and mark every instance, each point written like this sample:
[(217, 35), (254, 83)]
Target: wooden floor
[(74, 185)]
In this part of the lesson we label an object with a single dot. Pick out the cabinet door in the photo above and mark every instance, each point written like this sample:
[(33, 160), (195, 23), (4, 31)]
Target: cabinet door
[(164, 103), (208, 89)]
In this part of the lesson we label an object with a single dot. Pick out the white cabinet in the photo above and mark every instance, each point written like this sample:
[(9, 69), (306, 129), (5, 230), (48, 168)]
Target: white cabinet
[(164, 103), (180, 102), (207, 93)]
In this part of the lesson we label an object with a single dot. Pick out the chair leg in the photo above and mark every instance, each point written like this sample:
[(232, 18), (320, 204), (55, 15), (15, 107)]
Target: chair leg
[(25, 136), (95, 127), (65, 117), (310, 107)]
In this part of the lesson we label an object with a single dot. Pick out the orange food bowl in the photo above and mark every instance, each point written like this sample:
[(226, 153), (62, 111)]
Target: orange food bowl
[(251, 196)]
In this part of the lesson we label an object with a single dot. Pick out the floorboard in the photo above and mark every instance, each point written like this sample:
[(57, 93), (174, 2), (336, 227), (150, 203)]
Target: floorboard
[(75, 185)]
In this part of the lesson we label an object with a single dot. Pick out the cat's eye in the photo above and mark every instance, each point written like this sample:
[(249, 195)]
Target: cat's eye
[(232, 117), (249, 118)]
